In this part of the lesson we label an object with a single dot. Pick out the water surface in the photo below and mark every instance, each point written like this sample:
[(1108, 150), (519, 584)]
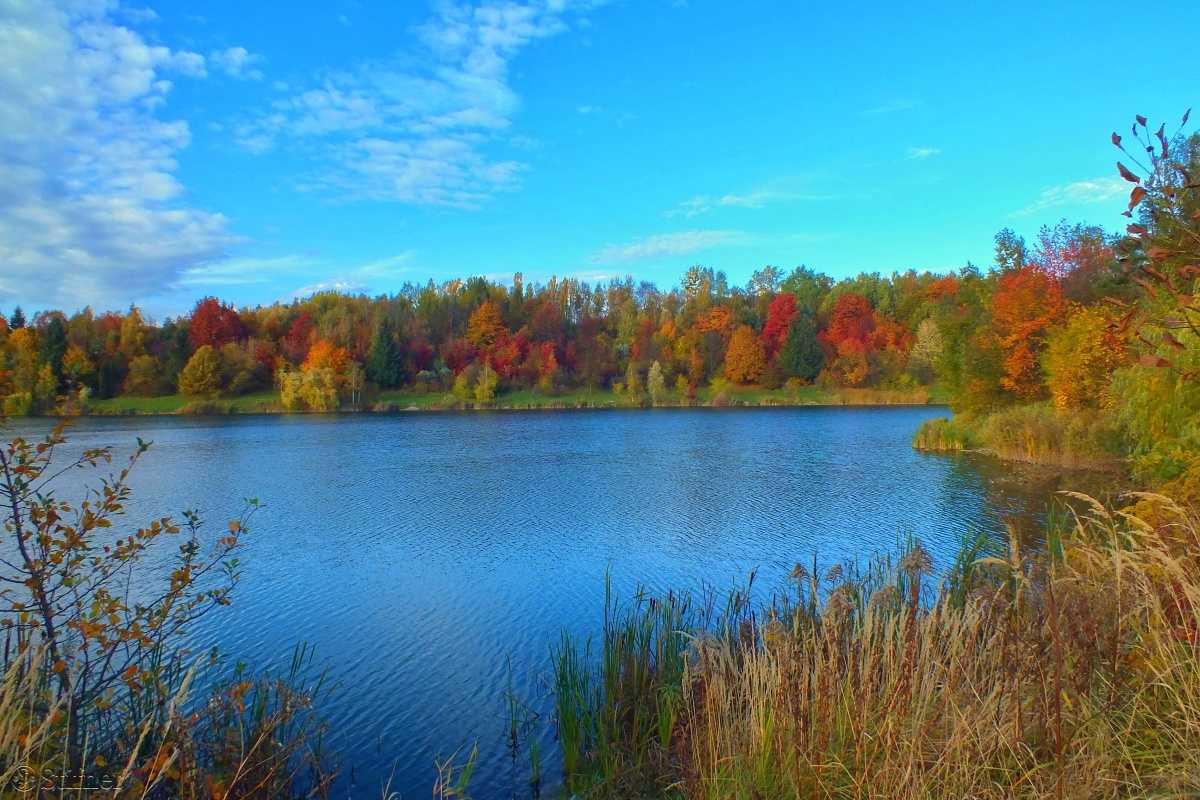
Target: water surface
[(421, 553)]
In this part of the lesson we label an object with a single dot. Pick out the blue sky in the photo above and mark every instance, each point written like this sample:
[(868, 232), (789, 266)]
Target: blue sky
[(154, 154)]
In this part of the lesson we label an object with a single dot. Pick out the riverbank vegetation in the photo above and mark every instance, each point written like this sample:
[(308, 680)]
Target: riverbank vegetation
[(1069, 671), (99, 691), (1084, 349)]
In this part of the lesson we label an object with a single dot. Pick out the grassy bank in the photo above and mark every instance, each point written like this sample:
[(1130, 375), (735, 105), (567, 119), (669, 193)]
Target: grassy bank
[(405, 400), (1073, 671), (1036, 434)]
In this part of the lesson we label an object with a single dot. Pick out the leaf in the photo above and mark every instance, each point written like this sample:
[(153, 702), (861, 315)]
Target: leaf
[(1151, 360), (1186, 114), (1135, 228), (1116, 140), (1172, 341), (1135, 197), (1158, 253), (1126, 174), (1141, 120)]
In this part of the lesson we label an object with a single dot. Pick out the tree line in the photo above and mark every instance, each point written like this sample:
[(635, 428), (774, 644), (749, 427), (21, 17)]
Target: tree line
[(1077, 319), (900, 331)]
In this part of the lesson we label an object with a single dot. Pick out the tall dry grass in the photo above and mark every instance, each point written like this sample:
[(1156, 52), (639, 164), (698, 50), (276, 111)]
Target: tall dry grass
[(1072, 671)]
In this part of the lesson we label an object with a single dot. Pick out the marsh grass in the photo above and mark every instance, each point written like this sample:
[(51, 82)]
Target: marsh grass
[(1069, 670), (1036, 433)]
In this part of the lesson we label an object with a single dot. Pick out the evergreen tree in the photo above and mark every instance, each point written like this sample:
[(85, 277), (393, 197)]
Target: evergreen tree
[(385, 365), (801, 355), (18, 319), (53, 345)]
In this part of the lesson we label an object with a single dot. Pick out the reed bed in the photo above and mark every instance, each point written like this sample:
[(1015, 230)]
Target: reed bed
[(1072, 670)]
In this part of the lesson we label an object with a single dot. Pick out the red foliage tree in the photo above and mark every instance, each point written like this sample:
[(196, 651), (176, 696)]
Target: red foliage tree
[(852, 319), (457, 353), (295, 343), (780, 315), (214, 323)]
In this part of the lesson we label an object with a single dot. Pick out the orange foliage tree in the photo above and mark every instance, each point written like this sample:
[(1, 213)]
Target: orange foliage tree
[(1027, 302), (744, 360), (486, 326)]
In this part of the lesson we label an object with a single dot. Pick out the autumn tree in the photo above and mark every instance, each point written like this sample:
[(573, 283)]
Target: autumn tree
[(1080, 359), (202, 375), (295, 343), (1026, 303), (485, 385), (145, 377), (850, 319), (780, 315), (214, 323), (656, 383), (744, 360), (486, 326)]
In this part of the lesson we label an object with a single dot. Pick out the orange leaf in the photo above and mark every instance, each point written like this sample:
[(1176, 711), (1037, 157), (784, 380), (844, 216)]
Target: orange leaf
[(1126, 174), (1136, 196)]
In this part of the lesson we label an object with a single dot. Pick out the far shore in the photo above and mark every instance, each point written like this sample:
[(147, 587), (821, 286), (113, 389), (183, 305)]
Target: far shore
[(519, 400)]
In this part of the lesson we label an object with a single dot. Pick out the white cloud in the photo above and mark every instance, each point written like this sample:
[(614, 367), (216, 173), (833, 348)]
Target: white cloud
[(1095, 190), (90, 208), (666, 244), (922, 153), (417, 128), (703, 203), (249, 271), (362, 279), (237, 62)]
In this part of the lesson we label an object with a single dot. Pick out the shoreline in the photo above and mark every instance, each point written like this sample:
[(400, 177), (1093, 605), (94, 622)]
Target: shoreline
[(523, 400)]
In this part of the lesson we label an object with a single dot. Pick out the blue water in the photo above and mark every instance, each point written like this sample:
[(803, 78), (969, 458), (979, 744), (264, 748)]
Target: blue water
[(422, 553)]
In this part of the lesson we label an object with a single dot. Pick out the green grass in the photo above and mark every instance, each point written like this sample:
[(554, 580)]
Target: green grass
[(406, 399), (177, 404)]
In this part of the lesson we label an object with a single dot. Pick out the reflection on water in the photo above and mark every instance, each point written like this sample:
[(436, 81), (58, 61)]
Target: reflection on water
[(419, 552)]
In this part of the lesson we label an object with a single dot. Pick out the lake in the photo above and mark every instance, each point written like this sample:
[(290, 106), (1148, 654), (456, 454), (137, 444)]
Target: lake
[(421, 554)]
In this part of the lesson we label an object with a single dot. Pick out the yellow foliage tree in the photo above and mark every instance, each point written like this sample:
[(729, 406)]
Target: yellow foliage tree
[(1080, 358)]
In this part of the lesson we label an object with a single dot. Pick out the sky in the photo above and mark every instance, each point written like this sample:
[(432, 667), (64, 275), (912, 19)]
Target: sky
[(155, 154)]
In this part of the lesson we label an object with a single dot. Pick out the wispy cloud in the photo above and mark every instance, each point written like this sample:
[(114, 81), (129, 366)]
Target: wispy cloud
[(237, 62), (418, 128), (704, 203), (921, 153), (250, 271), (666, 244), (91, 210), (1095, 190)]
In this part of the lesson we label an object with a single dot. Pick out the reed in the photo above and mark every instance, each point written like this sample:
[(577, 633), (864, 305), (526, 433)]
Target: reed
[(1069, 670)]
